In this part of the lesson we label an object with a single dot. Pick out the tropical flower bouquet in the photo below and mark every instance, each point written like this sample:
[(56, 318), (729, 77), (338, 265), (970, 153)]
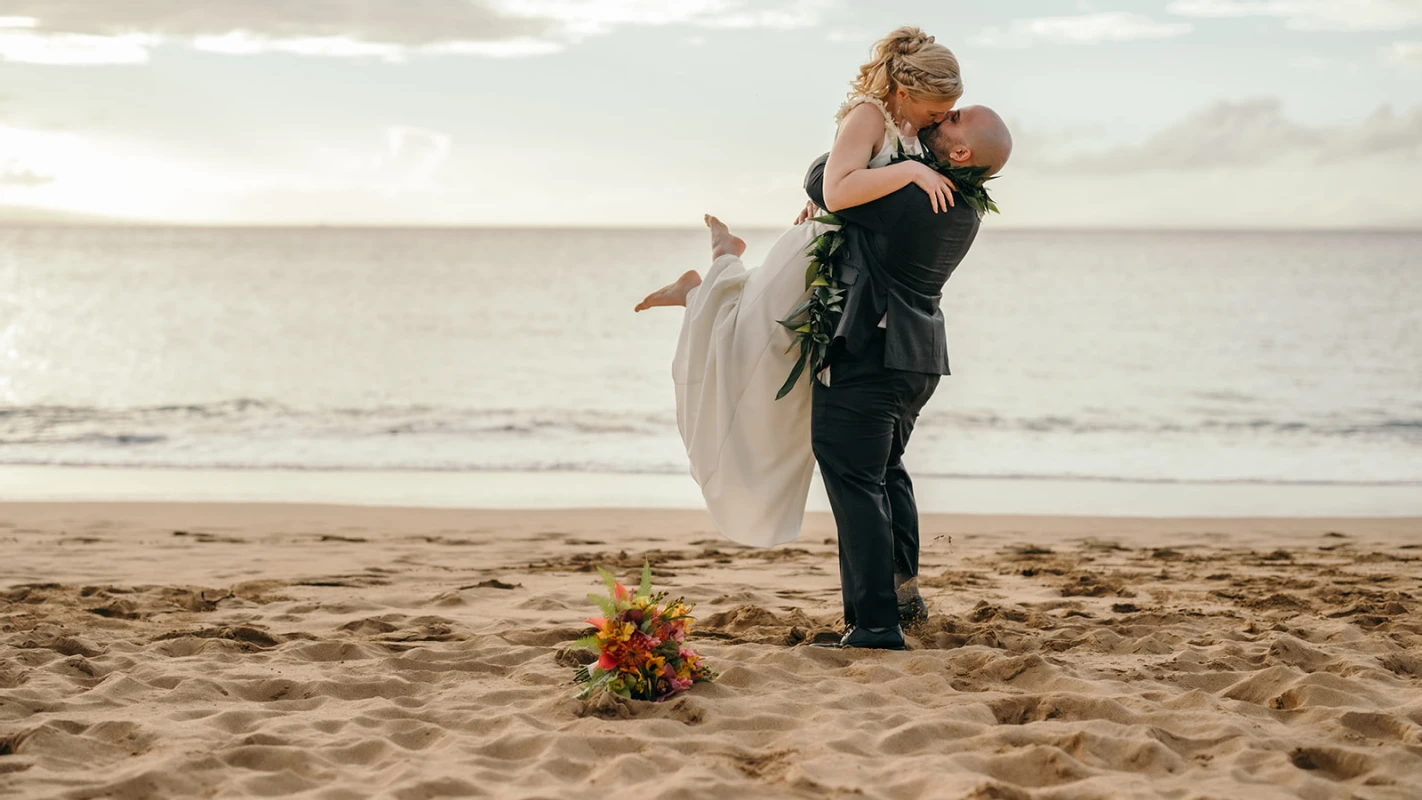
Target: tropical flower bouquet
[(641, 644)]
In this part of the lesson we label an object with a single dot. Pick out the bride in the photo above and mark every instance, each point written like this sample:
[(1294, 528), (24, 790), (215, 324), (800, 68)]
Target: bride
[(749, 452)]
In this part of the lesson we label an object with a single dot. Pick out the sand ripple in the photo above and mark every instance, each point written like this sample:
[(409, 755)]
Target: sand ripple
[(341, 655)]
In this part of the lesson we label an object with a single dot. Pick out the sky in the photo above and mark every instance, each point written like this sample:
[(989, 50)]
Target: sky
[(1153, 114)]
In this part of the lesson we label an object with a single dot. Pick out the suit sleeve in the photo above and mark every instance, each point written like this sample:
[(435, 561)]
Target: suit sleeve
[(876, 215)]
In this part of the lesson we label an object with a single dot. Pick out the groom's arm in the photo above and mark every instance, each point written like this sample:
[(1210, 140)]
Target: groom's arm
[(876, 215)]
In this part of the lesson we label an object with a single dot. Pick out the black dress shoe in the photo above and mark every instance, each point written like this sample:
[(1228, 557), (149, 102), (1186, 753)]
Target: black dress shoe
[(874, 638), (913, 612), (833, 645)]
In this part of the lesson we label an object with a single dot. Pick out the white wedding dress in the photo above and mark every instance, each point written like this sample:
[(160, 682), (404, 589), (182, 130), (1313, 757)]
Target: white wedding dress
[(749, 452)]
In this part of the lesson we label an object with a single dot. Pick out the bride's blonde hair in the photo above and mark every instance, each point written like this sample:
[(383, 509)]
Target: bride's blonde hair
[(910, 58)]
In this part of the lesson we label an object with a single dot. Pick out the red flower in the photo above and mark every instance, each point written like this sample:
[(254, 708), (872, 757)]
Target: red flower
[(606, 661)]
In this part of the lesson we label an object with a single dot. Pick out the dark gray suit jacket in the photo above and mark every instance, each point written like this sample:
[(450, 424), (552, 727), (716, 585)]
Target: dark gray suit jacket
[(899, 253)]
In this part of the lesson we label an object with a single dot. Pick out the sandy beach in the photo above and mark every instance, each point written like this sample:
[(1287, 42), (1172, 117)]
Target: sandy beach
[(241, 650)]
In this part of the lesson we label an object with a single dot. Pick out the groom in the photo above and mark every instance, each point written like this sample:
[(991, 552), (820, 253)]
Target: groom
[(889, 350)]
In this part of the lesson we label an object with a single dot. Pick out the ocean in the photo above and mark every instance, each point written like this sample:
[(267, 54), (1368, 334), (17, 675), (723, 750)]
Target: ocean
[(1216, 358)]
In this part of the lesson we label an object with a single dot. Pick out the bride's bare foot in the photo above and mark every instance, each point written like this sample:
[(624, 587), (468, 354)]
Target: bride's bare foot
[(673, 294), (722, 242)]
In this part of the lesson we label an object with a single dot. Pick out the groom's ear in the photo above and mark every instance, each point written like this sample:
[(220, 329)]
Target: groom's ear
[(960, 154)]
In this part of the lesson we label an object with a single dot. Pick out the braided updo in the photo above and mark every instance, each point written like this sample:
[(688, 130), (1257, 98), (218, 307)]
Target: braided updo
[(910, 58)]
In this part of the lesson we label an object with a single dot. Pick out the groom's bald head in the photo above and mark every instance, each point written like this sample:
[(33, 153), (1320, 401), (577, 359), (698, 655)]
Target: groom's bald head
[(974, 136)]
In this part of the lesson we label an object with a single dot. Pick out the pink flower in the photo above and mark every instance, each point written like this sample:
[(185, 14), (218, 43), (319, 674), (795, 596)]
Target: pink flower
[(621, 591), (597, 622)]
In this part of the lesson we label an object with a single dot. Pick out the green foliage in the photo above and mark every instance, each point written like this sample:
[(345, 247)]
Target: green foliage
[(609, 580), (813, 321), (635, 655), (645, 587), (968, 180), (606, 606)]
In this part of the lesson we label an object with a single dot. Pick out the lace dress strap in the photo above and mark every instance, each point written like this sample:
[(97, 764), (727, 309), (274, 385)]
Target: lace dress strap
[(892, 138), (860, 99)]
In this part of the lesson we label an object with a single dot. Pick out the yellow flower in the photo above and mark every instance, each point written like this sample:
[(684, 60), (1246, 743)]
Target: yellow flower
[(616, 633)]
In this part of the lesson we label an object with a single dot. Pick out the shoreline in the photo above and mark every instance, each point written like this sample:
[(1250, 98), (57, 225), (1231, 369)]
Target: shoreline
[(554, 490), (815, 520), (69, 542)]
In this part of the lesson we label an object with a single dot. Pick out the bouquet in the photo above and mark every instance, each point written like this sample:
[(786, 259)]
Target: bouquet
[(641, 644)]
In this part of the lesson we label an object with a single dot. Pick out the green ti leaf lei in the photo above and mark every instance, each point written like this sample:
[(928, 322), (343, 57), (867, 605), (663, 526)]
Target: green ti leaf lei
[(813, 322), (968, 180)]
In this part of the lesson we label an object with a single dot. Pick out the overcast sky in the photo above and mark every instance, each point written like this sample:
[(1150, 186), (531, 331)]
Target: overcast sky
[(1168, 113)]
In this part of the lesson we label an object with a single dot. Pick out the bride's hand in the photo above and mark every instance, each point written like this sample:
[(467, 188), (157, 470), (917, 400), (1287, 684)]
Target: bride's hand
[(809, 212), (938, 188)]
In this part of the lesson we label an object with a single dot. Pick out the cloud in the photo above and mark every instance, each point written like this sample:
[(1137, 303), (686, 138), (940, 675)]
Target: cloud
[(19, 41), (1347, 15), (412, 155), (68, 48), (1033, 146), (31, 159), (240, 43), (1113, 26), (13, 173), (1407, 54), (602, 16), (1253, 132), (123, 31), (792, 15), (412, 22)]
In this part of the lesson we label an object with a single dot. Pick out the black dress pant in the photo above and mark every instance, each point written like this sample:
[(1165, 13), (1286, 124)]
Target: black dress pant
[(860, 425)]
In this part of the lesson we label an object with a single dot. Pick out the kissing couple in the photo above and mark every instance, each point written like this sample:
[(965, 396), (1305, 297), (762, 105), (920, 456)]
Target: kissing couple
[(849, 301)]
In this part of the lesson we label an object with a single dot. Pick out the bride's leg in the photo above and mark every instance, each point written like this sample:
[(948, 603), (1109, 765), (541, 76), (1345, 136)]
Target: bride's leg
[(674, 294), (722, 242)]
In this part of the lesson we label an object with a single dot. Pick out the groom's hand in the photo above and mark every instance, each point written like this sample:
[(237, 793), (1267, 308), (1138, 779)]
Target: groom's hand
[(810, 211)]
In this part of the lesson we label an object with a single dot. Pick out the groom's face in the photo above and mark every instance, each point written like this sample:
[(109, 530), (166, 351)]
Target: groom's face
[(953, 129), (971, 135), (949, 141)]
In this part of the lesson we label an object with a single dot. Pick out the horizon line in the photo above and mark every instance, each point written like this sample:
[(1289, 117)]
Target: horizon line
[(637, 228)]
